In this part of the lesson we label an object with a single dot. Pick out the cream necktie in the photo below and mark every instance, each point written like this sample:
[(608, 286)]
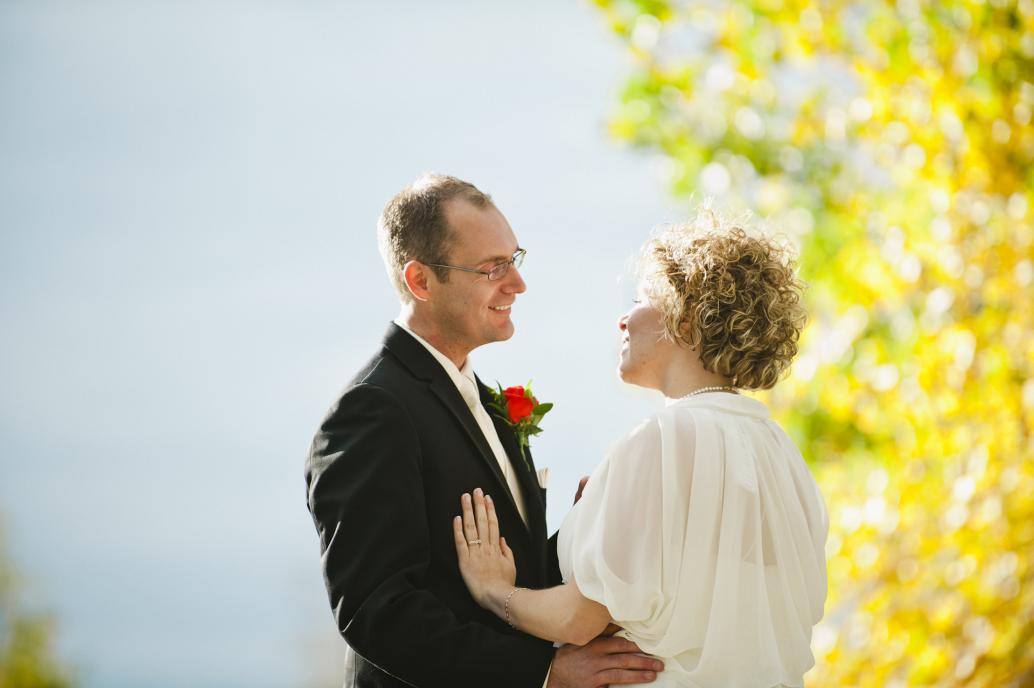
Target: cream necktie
[(469, 391)]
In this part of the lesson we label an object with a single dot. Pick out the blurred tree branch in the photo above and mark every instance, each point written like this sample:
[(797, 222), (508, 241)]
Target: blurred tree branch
[(893, 142)]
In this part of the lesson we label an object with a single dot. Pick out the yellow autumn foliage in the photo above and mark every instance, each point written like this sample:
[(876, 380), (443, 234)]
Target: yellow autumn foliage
[(894, 143)]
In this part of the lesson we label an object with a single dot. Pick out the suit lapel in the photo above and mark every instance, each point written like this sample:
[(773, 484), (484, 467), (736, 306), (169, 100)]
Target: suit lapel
[(422, 365), (446, 391), (534, 507)]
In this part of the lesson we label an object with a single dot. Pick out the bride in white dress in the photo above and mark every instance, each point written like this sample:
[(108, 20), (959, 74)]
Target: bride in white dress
[(702, 532)]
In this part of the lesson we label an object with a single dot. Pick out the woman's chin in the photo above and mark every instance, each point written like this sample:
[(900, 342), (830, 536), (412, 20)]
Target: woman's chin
[(636, 377)]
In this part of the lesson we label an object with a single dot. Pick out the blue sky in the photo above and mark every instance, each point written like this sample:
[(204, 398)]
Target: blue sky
[(188, 199)]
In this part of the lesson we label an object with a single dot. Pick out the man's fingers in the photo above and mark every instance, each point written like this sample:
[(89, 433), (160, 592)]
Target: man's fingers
[(618, 677), (507, 552), (633, 662), (470, 530), (613, 645), (581, 488), (461, 541), (626, 666)]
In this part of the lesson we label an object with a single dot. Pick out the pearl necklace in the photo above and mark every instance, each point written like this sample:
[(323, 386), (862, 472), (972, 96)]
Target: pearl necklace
[(723, 388)]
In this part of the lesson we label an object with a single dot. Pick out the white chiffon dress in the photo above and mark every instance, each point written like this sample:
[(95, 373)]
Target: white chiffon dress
[(703, 533)]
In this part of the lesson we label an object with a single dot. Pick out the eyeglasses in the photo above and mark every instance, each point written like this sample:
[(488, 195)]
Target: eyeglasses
[(497, 272)]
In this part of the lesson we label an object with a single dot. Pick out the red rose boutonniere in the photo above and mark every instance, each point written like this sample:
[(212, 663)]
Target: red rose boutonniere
[(521, 411)]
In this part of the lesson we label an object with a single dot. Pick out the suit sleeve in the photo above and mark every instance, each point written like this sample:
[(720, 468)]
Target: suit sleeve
[(366, 497), (553, 571)]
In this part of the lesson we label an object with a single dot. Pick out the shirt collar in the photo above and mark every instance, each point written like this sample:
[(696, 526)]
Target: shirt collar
[(461, 377)]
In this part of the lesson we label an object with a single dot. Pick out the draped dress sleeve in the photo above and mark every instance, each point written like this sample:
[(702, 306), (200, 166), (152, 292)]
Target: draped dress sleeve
[(703, 533)]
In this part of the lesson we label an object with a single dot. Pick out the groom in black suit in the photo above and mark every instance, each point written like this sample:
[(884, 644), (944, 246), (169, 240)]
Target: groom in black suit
[(410, 434)]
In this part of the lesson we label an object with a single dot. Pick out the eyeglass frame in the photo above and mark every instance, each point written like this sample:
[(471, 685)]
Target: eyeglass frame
[(515, 261)]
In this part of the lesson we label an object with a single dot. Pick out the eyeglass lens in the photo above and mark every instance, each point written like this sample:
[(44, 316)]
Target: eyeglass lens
[(499, 270)]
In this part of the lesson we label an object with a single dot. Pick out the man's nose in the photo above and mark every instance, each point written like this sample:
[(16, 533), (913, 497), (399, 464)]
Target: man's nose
[(516, 282), (623, 323)]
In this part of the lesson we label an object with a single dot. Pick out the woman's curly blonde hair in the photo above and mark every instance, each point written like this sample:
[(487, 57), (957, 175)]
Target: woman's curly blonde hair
[(733, 297)]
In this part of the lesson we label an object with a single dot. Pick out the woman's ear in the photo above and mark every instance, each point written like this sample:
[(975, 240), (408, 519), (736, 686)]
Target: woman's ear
[(685, 334)]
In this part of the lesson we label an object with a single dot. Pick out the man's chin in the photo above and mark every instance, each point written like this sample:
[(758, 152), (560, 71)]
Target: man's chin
[(496, 334), (502, 333)]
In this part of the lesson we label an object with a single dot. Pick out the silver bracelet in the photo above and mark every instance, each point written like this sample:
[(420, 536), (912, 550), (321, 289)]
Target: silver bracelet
[(506, 607)]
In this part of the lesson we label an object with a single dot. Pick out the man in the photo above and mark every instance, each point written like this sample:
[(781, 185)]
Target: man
[(411, 434)]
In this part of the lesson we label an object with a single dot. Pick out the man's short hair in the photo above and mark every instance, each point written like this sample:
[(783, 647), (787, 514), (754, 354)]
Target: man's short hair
[(412, 225)]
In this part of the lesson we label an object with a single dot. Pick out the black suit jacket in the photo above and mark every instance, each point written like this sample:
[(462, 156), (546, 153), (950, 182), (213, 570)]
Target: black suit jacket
[(384, 475)]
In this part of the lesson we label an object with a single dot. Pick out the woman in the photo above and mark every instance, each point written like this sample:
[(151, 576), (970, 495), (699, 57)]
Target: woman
[(702, 533)]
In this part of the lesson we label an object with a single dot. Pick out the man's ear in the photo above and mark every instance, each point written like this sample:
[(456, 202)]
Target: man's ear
[(416, 276)]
